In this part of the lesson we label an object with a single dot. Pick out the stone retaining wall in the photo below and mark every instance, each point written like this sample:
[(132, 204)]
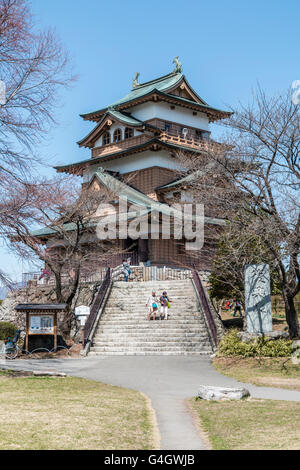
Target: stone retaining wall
[(40, 295)]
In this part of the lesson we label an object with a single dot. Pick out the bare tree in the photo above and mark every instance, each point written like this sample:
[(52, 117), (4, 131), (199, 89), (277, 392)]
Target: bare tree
[(33, 67), (67, 242), (252, 180)]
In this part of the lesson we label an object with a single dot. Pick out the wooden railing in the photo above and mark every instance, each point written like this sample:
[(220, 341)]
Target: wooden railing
[(152, 273), (97, 304), (176, 138), (206, 307), (119, 146)]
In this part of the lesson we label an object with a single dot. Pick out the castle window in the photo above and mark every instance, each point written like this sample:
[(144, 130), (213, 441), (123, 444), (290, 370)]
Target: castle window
[(128, 132), (117, 135), (167, 127), (106, 138)]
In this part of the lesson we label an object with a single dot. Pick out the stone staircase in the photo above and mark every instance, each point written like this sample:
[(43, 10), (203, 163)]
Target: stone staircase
[(125, 330)]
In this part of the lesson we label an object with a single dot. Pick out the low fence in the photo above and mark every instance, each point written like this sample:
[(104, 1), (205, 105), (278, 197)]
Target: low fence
[(152, 273), (96, 273), (138, 273)]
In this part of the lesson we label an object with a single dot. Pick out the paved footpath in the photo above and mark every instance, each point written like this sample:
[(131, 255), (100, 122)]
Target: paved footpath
[(167, 380)]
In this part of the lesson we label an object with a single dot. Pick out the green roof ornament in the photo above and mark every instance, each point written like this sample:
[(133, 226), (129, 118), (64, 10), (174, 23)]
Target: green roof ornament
[(135, 82), (178, 67)]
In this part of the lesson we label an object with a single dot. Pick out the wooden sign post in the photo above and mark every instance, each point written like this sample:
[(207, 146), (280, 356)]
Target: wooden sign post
[(41, 320)]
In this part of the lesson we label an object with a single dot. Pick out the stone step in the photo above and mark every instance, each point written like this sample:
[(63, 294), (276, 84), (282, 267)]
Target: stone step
[(144, 315), (151, 345), (174, 293), (152, 353), (142, 308), (159, 287), (146, 331), (130, 332), (151, 341), (146, 284), (158, 325), (129, 302), (168, 347), (125, 330), (143, 320)]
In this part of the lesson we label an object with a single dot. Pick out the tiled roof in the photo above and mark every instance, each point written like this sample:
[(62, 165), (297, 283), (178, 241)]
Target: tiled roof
[(136, 197), (131, 121), (93, 161), (188, 178), (160, 85), (112, 113)]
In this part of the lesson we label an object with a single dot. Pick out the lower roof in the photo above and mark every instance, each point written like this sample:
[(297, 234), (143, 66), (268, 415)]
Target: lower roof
[(35, 307), (71, 167)]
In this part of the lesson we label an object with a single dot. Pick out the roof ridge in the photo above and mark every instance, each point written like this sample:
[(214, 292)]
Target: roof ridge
[(155, 80)]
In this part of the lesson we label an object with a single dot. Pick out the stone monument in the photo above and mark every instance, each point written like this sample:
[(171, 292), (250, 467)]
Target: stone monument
[(258, 298)]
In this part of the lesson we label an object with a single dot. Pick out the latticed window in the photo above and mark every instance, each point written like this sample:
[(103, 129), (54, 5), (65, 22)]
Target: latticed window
[(106, 138), (117, 135), (128, 132)]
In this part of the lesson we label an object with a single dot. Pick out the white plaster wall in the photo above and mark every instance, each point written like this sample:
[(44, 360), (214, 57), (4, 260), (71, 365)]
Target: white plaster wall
[(135, 162), (112, 129), (179, 115), (115, 126)]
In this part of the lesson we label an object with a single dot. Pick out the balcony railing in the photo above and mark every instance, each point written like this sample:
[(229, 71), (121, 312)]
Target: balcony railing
[(119, 146), (172, 137), (179, 139)]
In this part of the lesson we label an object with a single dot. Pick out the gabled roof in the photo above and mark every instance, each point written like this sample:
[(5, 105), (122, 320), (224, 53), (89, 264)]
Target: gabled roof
[(138, 198), (133, 196), (160, 84), (163, 87), (190, 178), (114, 116)]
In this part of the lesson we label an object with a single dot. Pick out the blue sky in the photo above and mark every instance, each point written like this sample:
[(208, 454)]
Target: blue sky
[(226, 47)]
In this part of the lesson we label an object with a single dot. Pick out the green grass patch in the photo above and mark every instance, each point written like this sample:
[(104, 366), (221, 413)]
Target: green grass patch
[(270, 372), (250, 424), (71, 413)]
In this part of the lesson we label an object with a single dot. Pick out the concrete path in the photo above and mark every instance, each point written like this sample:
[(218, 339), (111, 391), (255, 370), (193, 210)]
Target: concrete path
[(167, 380)]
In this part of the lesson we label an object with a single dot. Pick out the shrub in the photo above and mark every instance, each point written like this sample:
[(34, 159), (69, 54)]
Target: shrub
[(7, 329), (231, 345)]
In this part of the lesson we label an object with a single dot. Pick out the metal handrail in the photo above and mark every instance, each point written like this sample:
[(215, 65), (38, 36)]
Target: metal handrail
[(96, 307), (206, 307)]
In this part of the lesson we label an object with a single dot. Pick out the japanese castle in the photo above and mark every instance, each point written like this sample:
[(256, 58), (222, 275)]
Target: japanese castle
[(135, 147)]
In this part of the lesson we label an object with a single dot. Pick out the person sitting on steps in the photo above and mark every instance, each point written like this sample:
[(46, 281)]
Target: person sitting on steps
[(164, 306)]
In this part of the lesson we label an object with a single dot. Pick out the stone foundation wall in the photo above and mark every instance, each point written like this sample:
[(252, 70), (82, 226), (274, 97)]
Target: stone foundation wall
[(40, 295)]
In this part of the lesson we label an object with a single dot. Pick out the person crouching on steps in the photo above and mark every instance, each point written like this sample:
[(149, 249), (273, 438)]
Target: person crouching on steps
[(152, 305), (164, 306)]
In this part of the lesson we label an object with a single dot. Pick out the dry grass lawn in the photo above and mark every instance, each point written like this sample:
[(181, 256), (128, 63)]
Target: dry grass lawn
[(72, 413), (250, 424), (270, 372)]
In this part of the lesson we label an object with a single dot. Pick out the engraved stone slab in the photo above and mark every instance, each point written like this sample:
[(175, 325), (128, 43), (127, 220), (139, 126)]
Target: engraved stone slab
[(258, 298)]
